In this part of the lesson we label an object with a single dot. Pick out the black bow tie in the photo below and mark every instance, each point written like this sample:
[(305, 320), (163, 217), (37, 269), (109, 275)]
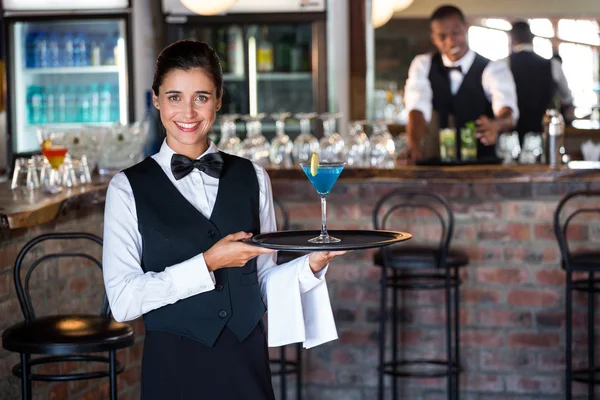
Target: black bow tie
[(211, 164), (456, 68)]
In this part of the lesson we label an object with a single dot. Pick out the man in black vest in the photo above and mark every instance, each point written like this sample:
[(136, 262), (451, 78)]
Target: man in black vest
[(460, 86), (537, 79)]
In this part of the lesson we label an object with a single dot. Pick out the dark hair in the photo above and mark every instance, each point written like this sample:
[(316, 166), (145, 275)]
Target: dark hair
[(185, 55), (447, 11), (521, 33)]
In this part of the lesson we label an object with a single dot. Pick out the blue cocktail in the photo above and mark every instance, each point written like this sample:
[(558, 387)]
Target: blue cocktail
[(323, 178)]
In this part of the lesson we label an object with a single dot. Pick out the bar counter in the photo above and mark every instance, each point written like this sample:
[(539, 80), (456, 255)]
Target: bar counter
[(512, 297)]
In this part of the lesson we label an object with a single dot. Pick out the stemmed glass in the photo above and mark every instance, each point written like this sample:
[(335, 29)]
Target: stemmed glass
[(323, 176), (306, 143), (55, 150), (255, 147), (357, 145), (383, 149), (281, 145), (229, 142), (331, 145)]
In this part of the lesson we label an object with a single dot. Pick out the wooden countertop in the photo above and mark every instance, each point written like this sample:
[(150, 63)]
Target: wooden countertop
[(22, 209)]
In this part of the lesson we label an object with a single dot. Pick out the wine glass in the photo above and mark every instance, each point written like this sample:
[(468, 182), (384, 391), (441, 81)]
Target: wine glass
[(357, 145), (323, 179), (54, 149), (331, 145), (306, 143), (255, 147), (281, 145), (229, 142), (383, 149)]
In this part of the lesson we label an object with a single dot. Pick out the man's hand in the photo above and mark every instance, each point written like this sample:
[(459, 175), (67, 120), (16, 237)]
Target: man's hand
[(319, 259), (416, 127), (487, 130), (231, 252)]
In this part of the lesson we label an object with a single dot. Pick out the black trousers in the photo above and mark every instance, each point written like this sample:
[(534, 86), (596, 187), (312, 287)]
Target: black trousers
[(175, 367)]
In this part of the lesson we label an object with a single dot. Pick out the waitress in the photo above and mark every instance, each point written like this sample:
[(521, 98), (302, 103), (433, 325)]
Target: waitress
[(460, 86), (173, 252)]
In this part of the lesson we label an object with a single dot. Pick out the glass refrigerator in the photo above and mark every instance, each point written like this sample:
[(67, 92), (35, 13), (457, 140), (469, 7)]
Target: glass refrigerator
[(273, 57), (68, 66)]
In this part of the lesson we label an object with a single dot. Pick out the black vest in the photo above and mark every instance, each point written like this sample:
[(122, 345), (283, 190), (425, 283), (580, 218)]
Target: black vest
[(468, 104), (173, 231), (535, 89)]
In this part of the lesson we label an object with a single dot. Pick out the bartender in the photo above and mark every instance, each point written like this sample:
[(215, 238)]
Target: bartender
[(460, 86), (537, 79)]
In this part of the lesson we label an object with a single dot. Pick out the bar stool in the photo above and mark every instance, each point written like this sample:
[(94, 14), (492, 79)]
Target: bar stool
[(63, 337), (419, 267), (578, 261), (283, 366)]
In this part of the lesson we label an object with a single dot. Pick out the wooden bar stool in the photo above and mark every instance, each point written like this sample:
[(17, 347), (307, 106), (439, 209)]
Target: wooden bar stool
[(419, 267), (579, 261), (63, 337)]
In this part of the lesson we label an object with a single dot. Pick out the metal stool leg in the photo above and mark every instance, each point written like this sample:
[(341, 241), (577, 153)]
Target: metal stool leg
[(568, 335), (382, 317), (25, 377), (456, 360), (113, 375), (299, 371), (591, 338), (394, 321), (282, 380), (449, 352)]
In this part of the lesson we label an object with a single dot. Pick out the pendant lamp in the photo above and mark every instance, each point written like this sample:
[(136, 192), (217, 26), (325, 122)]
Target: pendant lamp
[(208, 7)]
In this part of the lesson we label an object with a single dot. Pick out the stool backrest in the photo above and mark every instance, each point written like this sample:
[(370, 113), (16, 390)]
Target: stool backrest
[(283, 222), (411, 200), (582, 204), (22, 288)]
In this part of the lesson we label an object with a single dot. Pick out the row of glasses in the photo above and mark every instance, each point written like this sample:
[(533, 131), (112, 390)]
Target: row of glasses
[(37, 173)]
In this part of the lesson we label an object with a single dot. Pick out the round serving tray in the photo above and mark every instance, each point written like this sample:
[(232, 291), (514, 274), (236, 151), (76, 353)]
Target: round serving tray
[(350, 240)]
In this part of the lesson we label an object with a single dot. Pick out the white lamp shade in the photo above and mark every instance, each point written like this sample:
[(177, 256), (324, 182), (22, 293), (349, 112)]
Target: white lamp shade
[(402, 4), (208, 7), (382, 12)]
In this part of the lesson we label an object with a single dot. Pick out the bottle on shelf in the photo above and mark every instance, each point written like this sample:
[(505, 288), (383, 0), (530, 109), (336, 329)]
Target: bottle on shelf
[(35, 105), (109, 49), (71, 104), (235, 50), (297, 54), (80, 50), (53, 51), (67, 50), (264, 56), (94, 98), (30, 49), (95, 53), (105, 103), (60, 108), (283, 53), (41, 50), (221, 48), (50, 104)]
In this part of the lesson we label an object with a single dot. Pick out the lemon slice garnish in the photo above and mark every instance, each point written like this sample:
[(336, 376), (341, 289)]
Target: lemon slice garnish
[(46, 144), (314, 164)]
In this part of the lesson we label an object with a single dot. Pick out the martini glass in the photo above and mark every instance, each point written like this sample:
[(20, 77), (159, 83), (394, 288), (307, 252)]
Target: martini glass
[(323, 181), (55, 151)]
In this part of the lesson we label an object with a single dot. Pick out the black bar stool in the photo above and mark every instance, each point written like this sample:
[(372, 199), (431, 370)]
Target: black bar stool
[(578, 261), (418, 267), (63, 337), (282, 366)]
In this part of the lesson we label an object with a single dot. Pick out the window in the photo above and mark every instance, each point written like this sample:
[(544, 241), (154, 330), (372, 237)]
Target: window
[(490, 43), (578, 45)]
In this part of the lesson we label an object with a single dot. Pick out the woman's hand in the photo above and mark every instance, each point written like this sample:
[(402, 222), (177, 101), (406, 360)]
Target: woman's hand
[(231, 252), (319, 259)]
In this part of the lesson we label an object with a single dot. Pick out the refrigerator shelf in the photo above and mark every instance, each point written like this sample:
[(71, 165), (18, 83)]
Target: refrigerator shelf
[(102, 69), (284, 76)]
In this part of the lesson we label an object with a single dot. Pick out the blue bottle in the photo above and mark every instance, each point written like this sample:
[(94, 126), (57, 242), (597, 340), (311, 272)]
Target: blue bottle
[(84, 104), (60, 104), (41, 50), (105, 103), (71, 104), (50, 109), (115, 113), (67, 50), (30, 57), (80, 50), (53, 52), (35, 105)]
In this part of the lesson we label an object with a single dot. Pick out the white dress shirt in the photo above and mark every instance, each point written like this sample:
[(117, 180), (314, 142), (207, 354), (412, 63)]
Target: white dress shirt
[(497, 80), (298, 303), (558, 75)]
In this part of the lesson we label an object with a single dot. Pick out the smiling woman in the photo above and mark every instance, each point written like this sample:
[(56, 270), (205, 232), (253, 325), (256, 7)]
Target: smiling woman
[(174, 253)]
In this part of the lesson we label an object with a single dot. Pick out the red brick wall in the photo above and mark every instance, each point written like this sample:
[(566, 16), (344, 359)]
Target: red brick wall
[(61, 287), (512, 298)]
